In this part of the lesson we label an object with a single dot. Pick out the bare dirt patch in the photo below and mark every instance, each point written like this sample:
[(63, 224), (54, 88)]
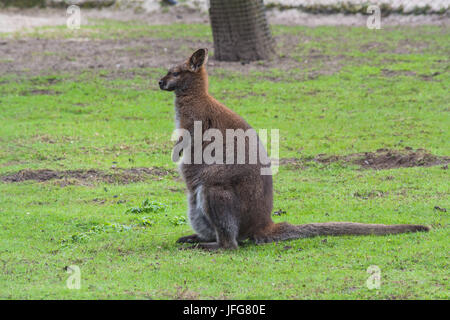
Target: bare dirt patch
[(378, 160), (370, 194), (127, 58), (396, 73), (39, 92), (87, 177)]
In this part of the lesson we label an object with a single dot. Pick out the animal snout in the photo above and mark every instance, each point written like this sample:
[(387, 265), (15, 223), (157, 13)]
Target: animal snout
[(161, 84)]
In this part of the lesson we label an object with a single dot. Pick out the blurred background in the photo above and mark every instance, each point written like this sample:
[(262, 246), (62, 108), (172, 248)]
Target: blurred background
[(241, 30)]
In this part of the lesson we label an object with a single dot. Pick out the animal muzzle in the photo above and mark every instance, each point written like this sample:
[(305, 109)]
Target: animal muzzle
[(162, 84)]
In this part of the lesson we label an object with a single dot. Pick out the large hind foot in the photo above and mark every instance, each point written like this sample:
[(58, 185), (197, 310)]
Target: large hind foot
[(193, 238)]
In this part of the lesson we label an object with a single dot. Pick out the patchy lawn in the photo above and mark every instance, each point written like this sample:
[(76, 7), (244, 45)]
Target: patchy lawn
[(86, 176)]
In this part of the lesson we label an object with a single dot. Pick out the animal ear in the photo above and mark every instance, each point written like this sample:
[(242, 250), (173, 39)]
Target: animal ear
[(198, 59)]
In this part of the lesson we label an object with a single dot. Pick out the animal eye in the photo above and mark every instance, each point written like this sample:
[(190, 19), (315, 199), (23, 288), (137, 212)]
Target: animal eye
[(175, 74)]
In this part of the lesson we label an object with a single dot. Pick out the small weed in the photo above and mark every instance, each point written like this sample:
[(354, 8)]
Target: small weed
[(97, 229), (148, 206), (178, 220), (144, 221)]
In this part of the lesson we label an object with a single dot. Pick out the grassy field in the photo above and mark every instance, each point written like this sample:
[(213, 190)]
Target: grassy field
[(103, 137)]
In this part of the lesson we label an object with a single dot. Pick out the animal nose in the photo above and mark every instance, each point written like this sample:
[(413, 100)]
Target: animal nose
[(160, 83)]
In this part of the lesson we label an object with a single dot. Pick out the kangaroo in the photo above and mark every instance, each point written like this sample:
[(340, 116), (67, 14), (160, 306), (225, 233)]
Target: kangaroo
[(230, 203)]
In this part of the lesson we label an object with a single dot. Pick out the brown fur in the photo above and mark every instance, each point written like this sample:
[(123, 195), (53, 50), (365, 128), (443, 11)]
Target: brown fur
[(229, 203)]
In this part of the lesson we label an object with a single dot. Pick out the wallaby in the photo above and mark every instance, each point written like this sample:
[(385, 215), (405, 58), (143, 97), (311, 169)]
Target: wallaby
[(229, 203)]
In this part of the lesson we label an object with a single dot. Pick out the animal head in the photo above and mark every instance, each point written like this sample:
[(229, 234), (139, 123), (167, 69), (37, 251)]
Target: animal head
[(187, 75)]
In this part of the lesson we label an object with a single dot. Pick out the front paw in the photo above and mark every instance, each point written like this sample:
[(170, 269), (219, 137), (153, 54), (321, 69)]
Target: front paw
[(193, 238)]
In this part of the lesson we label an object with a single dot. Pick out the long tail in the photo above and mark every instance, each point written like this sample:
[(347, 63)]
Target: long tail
[(285, 231)]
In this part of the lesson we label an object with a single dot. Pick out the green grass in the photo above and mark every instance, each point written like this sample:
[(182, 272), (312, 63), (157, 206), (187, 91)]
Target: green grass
[(88, 121)]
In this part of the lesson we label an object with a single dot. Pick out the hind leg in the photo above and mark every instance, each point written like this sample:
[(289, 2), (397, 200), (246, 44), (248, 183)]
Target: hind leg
[(221, 207), (199, 221), (203, 228)]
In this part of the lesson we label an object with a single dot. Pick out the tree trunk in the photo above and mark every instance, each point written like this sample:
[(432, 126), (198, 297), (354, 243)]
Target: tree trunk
[(240, 30)]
